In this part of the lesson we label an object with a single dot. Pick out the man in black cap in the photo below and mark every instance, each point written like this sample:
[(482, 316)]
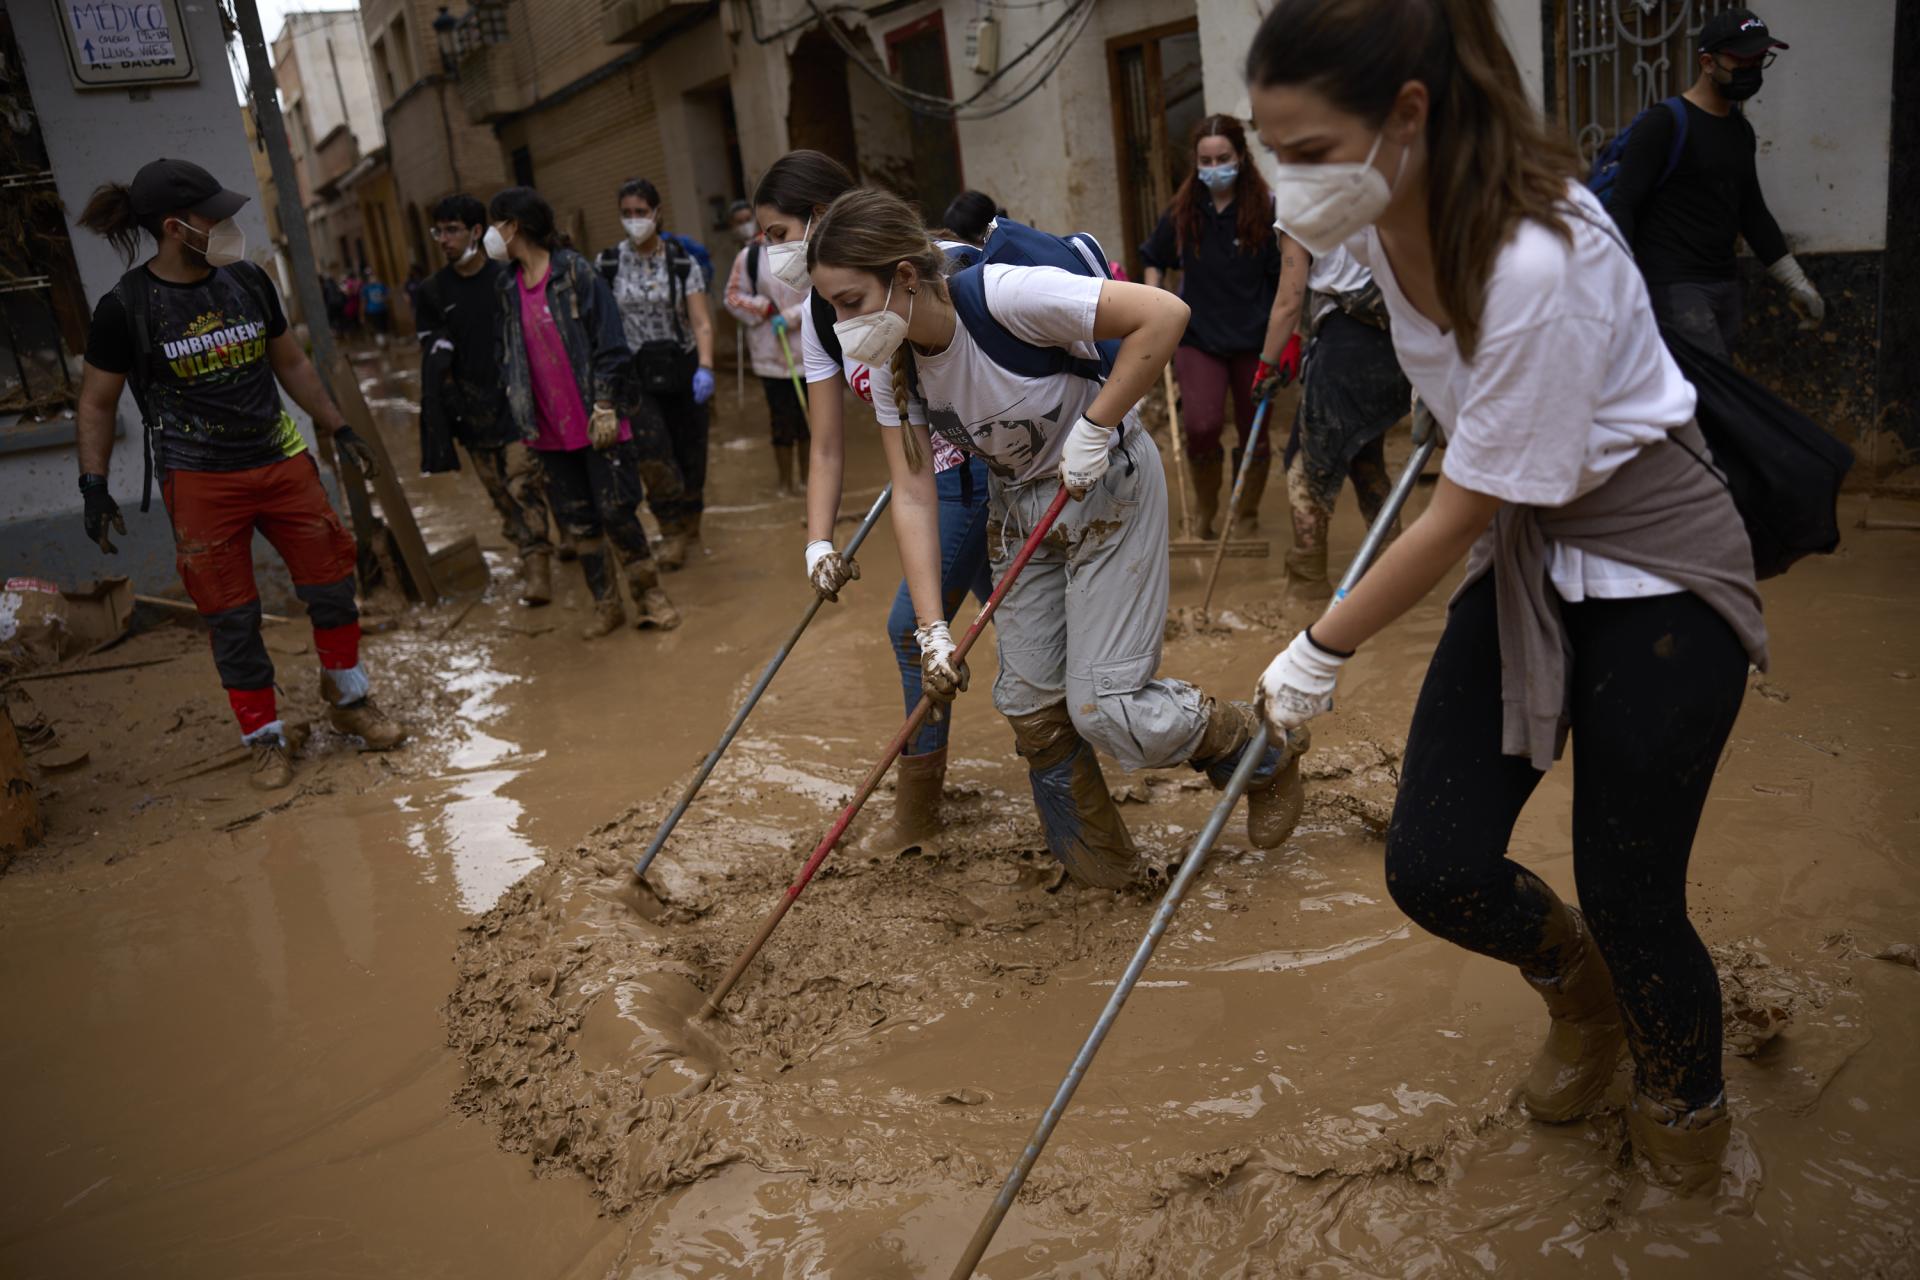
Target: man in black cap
[(1683, 213), (200, 334)]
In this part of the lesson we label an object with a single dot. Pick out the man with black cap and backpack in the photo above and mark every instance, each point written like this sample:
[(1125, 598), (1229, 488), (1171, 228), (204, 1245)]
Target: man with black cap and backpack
[(200, 334), (1687, 189)]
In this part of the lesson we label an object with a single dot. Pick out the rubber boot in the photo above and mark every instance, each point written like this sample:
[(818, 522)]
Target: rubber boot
[(1275, 795), (1247, 514), (1307, 587), (1683, 1149), (536, 579), (1206, 495), (608, 617), (607, 614), (1585, 1039), (1083, 826), (918, 781), (651, 607), (363, 719), (783, 469)]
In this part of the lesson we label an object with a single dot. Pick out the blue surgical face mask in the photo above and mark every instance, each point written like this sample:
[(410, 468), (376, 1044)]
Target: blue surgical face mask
[(1220, 176)]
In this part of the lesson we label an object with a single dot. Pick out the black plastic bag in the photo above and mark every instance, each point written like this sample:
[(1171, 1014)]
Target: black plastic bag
[(437, 453), (1783, 470)]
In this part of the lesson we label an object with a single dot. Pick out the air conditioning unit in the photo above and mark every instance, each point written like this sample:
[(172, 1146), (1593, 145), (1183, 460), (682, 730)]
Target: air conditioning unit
[(631, 21)]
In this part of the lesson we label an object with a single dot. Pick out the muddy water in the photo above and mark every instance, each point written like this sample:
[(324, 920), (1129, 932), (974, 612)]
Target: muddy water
[(421, 1023)]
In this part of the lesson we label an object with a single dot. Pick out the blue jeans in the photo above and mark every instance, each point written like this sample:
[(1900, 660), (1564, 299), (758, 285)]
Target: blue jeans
[(963, 568)]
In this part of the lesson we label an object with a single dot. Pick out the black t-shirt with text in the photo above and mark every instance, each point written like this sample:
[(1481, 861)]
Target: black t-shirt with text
[(211, 398), (466, 311)]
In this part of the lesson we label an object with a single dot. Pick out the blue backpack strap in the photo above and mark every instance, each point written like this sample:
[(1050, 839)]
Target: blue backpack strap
[(1679, 109), (968, 288), (1015, 244)]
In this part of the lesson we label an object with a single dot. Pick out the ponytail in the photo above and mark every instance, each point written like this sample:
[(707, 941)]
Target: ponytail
[(1492, 161), (109, 214)]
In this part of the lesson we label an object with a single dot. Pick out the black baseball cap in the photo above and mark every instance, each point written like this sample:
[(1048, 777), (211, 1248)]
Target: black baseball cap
[(1739, 32), (167, 186)]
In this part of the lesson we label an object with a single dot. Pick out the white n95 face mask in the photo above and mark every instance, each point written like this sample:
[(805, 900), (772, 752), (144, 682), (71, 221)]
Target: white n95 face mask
[(638, 229), (873, 338), (788, 261), (496, 244), (1325, 205), (226, 242)]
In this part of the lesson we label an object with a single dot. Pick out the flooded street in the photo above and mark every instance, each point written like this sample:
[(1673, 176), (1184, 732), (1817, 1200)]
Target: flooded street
[(417, 1020)]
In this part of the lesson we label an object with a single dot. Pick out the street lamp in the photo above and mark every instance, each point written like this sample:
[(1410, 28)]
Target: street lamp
[(445, 25)]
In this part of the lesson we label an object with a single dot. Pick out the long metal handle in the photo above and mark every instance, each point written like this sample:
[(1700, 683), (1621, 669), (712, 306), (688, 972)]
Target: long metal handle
[(701, 774), (879, 770), (1176, 893), (1176, 438), (1233, 503)]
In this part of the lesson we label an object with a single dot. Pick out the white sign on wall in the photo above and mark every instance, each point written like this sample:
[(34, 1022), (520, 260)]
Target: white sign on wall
[(113, 44)]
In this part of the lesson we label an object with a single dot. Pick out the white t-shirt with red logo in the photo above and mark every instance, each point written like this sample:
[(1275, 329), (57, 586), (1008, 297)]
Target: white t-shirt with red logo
[(875, 386)]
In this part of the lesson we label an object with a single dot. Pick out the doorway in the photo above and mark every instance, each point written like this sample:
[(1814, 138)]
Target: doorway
[(1155, 80), (917, 56), (819, 110)]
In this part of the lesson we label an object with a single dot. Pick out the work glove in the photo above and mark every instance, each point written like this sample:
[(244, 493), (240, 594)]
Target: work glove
[(941, 675), (1297, 685), (1800, 291), (829, 571), (1283, 372), (603, 429), (347, 441), (702, 385), (779, 323), (101, 511), (1084, 460)]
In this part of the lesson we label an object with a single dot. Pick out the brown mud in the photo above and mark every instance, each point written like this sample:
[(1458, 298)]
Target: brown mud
[(416, 1018)]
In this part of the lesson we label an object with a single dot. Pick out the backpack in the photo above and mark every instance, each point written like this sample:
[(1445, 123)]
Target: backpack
[(1016, 245), (137, 302), (692, 248), (1606, 165), (1781, 468)]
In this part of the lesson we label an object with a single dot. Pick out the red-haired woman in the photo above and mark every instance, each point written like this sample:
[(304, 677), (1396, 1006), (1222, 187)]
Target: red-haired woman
[(1218, 234)]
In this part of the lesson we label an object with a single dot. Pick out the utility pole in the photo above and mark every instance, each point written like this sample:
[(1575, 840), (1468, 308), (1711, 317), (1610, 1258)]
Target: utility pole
[(306, 281)]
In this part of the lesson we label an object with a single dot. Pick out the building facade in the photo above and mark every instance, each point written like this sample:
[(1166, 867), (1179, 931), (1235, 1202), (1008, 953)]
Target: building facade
[(325, 76)]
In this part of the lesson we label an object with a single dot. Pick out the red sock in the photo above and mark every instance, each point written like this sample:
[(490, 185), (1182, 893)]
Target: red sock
[(253, 708), (338, 647)]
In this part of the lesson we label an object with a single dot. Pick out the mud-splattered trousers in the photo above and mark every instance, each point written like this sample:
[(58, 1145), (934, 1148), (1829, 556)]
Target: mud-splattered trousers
[(1655, 685), (214, 516), (1352, 391), (515, 485), (963, 568), (596, 494), (1084, 621)]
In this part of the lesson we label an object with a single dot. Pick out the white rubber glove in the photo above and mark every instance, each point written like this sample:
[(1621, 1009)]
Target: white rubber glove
[(1806, 299), (829, 571), (1297, 685), (940, 675), (1084, 460), (603, 429)]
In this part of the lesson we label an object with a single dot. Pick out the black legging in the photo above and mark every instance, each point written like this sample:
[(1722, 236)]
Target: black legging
[(1656, 683)]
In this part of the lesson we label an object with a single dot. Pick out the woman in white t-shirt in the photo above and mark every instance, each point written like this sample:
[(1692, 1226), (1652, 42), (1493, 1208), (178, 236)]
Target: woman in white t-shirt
[(1610, 588), (796, 191), (1079, 631)]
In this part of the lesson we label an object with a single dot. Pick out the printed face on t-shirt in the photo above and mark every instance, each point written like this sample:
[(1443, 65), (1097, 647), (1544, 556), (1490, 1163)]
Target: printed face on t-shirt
[(1008, 444)]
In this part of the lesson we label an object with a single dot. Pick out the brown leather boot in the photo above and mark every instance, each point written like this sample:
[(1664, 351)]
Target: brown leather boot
[(651, 607), (1307, 587), (536, 579), (1275, 795), (272, 765), (363, 719), (1586, 1037), (1083, 826), (1247, 515), (1683, 1149), (1206, 495), (608, 617), (918, 781)]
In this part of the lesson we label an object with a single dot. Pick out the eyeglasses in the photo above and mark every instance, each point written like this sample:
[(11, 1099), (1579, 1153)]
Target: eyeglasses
[(446, 233), (1762, 60)]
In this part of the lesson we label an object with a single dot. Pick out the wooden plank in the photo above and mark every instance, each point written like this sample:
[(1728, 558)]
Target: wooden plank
[(386, 485)]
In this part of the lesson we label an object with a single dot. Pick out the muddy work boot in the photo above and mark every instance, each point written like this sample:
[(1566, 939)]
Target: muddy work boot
[(651, 607), (361, 718), (536, 579), (918, 782), (608, 617), (272, 762), (1206, 495), (1683, 1149), (1572, 1070), (1275, 795), (1307, 587), (670, 553), (1246, 515), (1083, 827)]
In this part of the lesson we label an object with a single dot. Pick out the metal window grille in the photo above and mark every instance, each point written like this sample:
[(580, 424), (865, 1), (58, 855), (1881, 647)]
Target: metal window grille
[(1625, 55)]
